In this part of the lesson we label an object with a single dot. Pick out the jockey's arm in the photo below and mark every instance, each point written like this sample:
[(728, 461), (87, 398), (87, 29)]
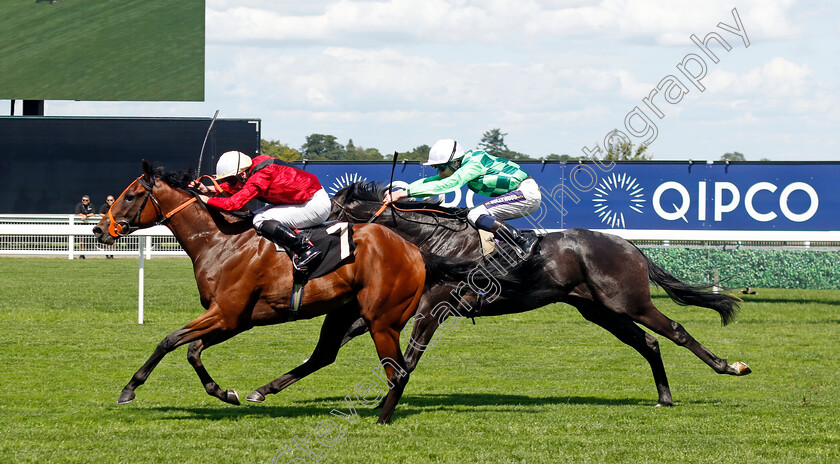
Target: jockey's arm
[(437, 185)]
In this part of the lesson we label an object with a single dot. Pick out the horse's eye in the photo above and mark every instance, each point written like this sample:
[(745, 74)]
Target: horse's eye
[(129, 196)]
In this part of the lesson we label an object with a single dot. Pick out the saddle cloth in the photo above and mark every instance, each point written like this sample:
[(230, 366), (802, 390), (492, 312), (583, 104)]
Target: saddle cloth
[(335, 242)]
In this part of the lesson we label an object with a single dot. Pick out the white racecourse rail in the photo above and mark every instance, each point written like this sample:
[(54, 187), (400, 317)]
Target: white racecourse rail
[(68, 235)]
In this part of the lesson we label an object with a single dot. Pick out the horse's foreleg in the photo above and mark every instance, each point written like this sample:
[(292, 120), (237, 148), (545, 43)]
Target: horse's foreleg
[(651, 318), (625, 330), (204, 324), (336, 325), (194, 358)]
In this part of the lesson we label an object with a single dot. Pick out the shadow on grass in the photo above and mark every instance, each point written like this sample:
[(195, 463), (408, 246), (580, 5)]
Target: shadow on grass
[(409, 405)]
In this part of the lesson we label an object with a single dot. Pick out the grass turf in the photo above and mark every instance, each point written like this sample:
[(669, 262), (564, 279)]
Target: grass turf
[(543, 386), (102, 50)]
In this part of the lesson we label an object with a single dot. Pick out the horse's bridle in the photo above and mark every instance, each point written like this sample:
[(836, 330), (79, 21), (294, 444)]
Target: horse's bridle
[(124, 227)]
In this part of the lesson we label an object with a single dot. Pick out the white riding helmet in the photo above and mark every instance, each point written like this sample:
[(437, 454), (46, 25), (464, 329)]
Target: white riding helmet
[(232, 163), (444, 151)]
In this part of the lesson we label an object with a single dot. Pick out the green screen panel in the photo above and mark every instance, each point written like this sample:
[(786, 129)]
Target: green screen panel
[(102, 50)]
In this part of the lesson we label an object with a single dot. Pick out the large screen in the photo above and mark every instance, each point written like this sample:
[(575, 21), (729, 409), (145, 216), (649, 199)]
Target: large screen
[(50, 162), (127, 50)]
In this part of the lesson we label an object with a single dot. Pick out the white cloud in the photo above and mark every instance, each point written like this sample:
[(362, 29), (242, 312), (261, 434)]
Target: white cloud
[(345, 79), (489, 20), (779, 85), (778, 77)]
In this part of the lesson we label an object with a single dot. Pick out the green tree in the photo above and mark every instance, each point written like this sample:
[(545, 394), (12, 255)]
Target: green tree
[(279, 150), (620, 148), (322, 147), (420, 153), (493, 142), (516, 156), (563, 158), (352, 152), (734, 156)]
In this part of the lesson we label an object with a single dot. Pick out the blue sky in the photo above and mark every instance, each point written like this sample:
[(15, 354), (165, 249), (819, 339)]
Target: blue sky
[(555, 75)]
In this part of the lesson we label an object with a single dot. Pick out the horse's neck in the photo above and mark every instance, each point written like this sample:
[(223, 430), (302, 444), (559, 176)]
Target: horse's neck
[(450, 238), (193, 227)]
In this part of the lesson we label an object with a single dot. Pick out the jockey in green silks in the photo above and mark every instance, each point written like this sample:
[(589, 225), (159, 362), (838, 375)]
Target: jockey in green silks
[(515, 194)]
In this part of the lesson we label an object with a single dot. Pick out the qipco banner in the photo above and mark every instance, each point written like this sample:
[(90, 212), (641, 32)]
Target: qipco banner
[(649, 195)]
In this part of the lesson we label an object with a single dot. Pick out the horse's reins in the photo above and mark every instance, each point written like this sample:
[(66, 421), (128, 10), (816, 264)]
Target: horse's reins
[(117, 229), (346, 214)]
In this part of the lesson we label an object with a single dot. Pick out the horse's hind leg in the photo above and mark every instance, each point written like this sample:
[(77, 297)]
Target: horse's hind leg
[(336, 325), (625, 330), (651, 318)]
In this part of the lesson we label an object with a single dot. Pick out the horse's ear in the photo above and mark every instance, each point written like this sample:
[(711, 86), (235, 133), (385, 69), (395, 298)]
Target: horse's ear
[(148, 171)]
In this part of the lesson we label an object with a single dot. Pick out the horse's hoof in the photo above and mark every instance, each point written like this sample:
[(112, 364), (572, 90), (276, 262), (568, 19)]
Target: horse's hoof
[(127, 396), (663, 404), (741, 368), (255, 397), (232, 397)]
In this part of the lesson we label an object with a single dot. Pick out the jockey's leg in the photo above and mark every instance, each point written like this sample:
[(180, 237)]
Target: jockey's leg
[(503, 231), (304, 251), (278, 222), (514, 204)]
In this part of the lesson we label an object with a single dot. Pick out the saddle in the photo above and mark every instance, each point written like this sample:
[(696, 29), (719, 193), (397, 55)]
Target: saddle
[(488, 240)]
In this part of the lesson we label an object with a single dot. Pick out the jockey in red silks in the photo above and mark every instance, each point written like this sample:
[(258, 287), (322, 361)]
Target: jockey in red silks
[(295, 199)]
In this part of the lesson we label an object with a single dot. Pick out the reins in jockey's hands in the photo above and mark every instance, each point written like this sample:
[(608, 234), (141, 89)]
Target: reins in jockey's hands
[(203, 189), (212, 189), (393, 196)]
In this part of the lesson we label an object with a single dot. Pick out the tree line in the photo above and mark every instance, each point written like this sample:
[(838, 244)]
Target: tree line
[(323, 147)]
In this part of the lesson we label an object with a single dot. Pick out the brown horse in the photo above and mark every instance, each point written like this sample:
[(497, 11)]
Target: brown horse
[(244, 282)]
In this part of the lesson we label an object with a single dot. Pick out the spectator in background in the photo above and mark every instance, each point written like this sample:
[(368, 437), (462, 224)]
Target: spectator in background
[(103, 210), (84, 209)]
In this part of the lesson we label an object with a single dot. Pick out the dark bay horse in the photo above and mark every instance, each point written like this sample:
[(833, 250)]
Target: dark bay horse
[(604, 276), (244, 282)]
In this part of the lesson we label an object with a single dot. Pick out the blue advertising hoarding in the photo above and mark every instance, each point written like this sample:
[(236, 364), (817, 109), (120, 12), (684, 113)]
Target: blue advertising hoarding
[(650, 195)]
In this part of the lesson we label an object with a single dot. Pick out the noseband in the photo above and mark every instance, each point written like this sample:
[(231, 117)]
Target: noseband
[(125, 227)]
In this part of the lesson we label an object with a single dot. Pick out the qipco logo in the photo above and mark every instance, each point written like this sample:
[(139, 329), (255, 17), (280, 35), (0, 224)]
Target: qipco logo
[(727, 198)]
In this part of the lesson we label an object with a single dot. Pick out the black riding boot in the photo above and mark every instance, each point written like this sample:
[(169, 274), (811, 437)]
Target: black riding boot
[(506, 232), (303, 250)]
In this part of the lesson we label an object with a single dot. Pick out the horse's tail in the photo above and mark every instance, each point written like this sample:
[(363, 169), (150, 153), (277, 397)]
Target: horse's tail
[(695, 295)]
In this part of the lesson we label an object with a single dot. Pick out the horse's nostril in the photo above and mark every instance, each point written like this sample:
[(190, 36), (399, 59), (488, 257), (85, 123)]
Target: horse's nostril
[(97, 230)]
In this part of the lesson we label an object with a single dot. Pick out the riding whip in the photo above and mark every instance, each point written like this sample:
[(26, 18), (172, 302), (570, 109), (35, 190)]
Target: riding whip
[(390, 187), (201, 155)]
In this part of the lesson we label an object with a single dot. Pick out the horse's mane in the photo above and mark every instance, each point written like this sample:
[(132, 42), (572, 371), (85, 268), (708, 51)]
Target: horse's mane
[(180, 180), (374, 191), (177, 179)]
